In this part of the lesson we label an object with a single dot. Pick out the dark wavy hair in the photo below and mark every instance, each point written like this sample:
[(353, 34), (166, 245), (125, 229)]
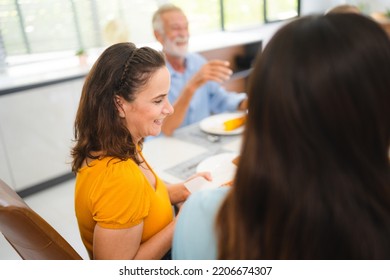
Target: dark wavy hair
[(123, 70), (313, 181)]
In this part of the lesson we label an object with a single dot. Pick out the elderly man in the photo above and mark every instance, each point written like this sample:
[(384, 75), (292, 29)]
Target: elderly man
[(195, 90)]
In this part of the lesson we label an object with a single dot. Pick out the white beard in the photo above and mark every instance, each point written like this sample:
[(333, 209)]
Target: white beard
[(172, 48)]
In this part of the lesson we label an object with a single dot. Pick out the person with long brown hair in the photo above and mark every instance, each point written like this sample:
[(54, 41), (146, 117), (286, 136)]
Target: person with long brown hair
[(123, 209), (313, 180)]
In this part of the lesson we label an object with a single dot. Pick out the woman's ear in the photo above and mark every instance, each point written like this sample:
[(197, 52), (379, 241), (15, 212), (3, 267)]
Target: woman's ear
[(119, 106)]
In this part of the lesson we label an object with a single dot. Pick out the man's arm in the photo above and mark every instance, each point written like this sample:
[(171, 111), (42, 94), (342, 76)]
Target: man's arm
[(214, 70), (172, 122), (243, 105)]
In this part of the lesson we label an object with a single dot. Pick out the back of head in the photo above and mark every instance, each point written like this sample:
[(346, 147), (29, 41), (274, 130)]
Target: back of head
[(315, 180), (157, 21)]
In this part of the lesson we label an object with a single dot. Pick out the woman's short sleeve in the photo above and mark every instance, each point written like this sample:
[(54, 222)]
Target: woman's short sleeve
[(121, 200)]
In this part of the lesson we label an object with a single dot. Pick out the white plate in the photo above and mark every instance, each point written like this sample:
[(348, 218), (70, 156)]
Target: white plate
[(220, 166), (214, 124), (199, 183)]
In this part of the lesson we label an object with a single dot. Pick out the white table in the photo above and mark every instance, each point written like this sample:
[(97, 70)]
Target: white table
[(175, 158)]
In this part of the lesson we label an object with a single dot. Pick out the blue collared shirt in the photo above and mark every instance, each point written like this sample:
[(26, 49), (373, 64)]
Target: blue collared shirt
[(211, 98)]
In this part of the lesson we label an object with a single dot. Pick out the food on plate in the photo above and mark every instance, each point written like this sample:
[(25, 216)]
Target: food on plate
[(235, 160), (234, 123)]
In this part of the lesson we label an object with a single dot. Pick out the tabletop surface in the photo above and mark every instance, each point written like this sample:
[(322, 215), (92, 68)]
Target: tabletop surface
[(175, 158)]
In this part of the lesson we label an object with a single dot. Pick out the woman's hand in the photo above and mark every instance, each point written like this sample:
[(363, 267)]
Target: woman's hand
[(178, 192), (206, 175)]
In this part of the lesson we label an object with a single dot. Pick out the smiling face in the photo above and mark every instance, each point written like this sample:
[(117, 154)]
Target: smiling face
[(144, 116), (175, 33)]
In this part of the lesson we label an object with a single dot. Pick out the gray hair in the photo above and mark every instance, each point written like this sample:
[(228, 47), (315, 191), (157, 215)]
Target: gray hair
[(156, 20)]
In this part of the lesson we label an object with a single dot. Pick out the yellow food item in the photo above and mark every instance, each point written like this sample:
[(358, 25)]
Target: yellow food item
[(234, 123), (235, 160)]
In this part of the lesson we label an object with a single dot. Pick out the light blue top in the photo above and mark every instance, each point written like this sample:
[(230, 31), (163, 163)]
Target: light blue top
[(194, 237), (211, 98)]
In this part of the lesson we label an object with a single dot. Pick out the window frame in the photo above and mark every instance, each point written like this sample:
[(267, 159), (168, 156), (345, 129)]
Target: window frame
[(80, 39), (265, 15)]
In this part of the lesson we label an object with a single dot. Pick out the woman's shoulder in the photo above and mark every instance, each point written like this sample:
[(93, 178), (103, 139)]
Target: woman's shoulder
[(194, 236), (208, 199), (204, 204), (115, 171), (115, 163)]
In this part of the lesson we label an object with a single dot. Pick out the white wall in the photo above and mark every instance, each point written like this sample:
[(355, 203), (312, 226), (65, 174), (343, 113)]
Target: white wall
[(36, 133), (5, 171)]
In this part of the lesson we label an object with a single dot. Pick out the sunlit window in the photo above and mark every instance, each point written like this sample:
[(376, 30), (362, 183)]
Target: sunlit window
[(240, 14), (43, 26), (48, 25), (281, 9), (204, 15), (11, 29)]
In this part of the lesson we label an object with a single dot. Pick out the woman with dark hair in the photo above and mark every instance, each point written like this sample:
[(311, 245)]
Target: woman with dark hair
[(124, 211), (313, 180)]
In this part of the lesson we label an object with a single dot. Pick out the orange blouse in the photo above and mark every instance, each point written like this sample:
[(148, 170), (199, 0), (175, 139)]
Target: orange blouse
[(116, 195)]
